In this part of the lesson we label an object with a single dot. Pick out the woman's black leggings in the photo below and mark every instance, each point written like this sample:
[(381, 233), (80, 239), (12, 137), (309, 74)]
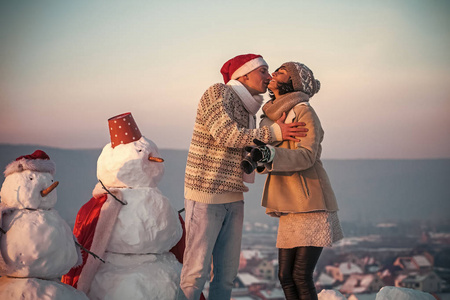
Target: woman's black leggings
[(296, 272)]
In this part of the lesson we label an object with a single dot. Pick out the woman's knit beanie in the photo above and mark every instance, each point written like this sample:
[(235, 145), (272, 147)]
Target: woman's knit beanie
[(302, 78)]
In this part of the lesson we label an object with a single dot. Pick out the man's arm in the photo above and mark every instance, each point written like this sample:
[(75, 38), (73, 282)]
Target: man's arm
[(218, 120)]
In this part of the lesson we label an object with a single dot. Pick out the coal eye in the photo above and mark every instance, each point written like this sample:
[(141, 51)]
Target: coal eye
[(31, 178), (52, 180), (140, 151)]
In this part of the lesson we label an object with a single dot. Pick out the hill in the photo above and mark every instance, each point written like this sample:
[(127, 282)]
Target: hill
[(367, 190)]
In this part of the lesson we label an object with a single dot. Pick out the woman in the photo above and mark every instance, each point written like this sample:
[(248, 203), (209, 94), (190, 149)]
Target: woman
[(297, 188)]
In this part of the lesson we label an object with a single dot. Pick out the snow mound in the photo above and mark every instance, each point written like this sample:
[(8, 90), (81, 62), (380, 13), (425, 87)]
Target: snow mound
[(38, 243), (396, 293), (137, 277), (37, 289), (147, 224), (331, 295)]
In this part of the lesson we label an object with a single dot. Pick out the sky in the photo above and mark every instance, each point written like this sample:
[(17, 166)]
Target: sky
[(68, 66)]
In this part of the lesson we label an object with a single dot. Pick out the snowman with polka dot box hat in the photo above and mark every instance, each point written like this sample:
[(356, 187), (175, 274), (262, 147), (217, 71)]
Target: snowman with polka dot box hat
[(37, 246), (129, 223)]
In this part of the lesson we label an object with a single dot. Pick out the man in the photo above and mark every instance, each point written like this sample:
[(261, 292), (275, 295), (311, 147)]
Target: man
[(214, 181)]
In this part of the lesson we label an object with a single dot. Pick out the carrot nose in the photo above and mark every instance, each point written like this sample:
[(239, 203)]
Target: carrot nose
[(49, 189), (155, 159)]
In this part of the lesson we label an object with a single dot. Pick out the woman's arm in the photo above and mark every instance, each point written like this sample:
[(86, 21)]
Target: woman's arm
[(305, 153)]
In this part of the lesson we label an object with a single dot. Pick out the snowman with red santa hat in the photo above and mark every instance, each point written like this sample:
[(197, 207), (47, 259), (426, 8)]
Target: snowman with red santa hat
[(37, 246), (129, 223)]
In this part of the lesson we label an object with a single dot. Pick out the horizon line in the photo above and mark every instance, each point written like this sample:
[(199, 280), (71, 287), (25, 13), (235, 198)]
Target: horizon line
[(183, 149)]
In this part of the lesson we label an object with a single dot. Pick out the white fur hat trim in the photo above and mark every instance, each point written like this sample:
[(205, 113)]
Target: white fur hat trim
[(37, 165)]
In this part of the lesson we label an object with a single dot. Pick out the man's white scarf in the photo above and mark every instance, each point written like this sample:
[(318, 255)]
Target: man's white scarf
[(252, 104)]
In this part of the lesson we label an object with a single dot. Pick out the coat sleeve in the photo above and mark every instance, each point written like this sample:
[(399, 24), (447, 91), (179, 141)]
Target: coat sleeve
[(303, 154), (217, 113), (266, 122)]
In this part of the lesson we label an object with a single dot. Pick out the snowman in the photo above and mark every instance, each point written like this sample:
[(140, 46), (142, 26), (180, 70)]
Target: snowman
[(37, 246), (129, 223)]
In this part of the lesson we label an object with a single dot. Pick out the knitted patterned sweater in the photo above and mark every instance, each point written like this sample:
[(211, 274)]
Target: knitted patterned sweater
[(213, 172)]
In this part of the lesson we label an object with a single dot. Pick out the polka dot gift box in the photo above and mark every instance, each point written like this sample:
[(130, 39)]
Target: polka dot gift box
[(123, 129)]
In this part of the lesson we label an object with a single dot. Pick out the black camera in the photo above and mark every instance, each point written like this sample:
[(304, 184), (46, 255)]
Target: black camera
[(254, 154), (248, 164)]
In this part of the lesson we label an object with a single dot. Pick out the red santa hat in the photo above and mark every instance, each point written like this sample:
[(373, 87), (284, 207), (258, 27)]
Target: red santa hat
[(39, 161), (123, 129), (241, 65)]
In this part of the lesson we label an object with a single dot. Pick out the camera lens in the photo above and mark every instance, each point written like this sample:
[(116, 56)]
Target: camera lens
[(247, 164)]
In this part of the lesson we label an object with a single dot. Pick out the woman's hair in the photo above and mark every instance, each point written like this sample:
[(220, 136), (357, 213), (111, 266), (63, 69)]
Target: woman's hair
[(283, 88)]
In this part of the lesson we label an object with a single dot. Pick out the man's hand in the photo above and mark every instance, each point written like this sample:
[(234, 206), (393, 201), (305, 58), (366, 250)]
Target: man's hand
[(291, 131)]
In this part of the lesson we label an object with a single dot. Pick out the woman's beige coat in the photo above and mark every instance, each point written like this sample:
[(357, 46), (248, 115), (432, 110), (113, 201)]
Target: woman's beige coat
[(296, 180)]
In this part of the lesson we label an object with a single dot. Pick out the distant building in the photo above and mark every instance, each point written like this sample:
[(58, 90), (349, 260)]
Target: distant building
[(387, 229), (267, 270), (416, 263), (325, 282), (425, 237), (251, 254), (361, 284), (250, 282), (440, 238), (369, 264), (241, 294), (352, 258), (249, 260), (430, 282), (343, 270), (389, 274), (242, 262), (274, 294)]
